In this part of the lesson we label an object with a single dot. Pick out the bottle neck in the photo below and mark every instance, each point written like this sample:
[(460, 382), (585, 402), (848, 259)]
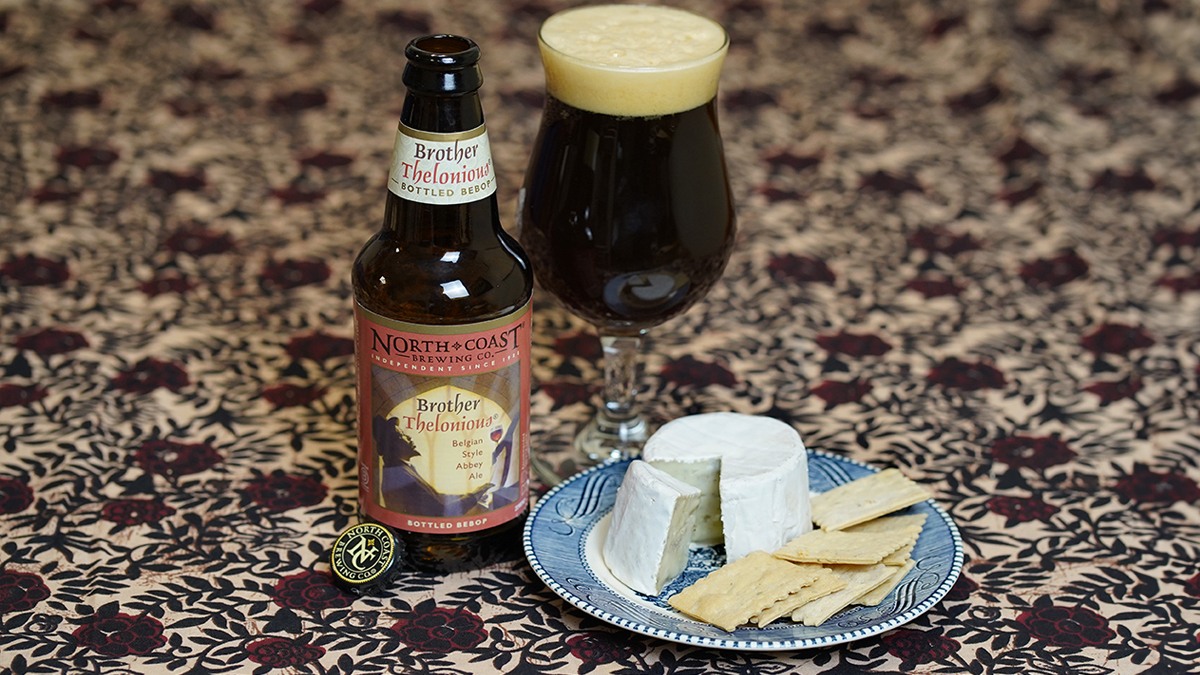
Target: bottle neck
[(441, 227), (441, 191), (449, 113)]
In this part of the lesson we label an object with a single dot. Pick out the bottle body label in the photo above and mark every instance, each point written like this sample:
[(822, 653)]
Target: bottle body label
[(435, 168), (443, 422)]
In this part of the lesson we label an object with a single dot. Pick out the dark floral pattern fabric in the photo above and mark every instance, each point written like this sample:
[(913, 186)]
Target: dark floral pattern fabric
[(969, 247)]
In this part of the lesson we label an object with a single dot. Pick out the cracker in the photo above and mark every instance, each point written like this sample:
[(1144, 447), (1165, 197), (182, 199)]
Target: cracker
[(901, 555), (911, 523), (859, 579), (729, 596), (880, 592), (891, 523), (827, 582), (849, 548), (864, 499)]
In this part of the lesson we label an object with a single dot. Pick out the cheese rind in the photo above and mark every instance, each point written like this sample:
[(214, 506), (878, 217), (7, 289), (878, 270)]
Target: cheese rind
[(652, 524), (759, 467), (704, 475)]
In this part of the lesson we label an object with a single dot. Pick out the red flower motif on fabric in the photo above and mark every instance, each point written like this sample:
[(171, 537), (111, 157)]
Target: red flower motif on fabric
[(441, 629), (13, 395), (1175, 237), (1014, 194), (171, 182), (15, 495), (319, 346), (1110, 392), (149, 374), (975, 99), (198, 241), (1180, 284), (935, 287), (1054, 272), (164, 284), (190, 16), (1066, 626), (85, 157), (213, 72), (287, 274), (280, 652), (890, 183), (786, 159), (1192, 586), (135, 511), (121, 634), (1116, 338), (1021, 150), (690, 371), (597, 648), (297, 194), (579, 345), (292, 395), (55, 190), (565, 393), (854, 344), (749, 98), (279, 491), (51, 341), (1157, 487), (835, 393), (296, 101), (942, 240), (1134, 180), (71, 98), (407, 22), (918, 646), (954, 373), (32, 270), (186, 106), (310, 591), (800, 269), (326, 160), (1021, 509), (172, 458), (1034, 452), (21, 591)]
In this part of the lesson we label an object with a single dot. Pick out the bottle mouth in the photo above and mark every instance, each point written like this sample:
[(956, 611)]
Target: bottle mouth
[(443, 51)]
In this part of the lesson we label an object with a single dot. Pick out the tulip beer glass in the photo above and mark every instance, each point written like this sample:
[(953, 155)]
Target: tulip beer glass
[(626, 210)]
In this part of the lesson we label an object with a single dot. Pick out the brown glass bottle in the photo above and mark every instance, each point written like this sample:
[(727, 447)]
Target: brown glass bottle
[(442, 332)]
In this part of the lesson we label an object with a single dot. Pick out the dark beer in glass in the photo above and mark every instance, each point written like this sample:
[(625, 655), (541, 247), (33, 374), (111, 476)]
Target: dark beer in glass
[(626, 210)]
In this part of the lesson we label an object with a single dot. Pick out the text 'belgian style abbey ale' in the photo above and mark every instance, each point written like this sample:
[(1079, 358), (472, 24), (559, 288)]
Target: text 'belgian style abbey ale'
[(442, 330)]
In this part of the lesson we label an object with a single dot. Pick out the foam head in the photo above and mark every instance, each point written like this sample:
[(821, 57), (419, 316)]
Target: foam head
[(632, 60)]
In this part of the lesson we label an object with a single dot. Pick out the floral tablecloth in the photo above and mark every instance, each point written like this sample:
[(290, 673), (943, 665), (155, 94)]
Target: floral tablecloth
[(968, 248)]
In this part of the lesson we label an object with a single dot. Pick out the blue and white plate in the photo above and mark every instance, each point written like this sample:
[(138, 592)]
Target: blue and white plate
[(565, 531)]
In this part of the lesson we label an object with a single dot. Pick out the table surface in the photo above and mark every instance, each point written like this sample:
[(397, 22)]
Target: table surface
[(967, 248)]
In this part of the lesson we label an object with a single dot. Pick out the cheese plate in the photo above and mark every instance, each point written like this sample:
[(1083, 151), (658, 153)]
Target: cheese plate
[(565, 533)]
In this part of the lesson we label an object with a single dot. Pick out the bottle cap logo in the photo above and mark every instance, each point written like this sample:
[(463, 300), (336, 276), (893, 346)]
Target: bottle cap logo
[(363, 556)]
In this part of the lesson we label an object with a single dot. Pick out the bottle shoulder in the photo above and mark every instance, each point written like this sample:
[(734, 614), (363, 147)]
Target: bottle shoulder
[(438, 285)]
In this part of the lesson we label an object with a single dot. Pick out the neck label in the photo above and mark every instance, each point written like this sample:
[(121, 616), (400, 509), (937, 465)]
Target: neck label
[(436, 168)]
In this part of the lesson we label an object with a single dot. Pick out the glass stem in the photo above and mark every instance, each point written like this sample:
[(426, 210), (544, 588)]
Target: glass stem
[(622, 368)]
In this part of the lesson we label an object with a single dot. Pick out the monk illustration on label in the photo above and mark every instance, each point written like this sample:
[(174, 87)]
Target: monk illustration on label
[(404, 490)]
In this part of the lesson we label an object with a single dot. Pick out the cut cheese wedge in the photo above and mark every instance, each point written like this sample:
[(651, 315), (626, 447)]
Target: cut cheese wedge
[(652, 524), (751, 471)]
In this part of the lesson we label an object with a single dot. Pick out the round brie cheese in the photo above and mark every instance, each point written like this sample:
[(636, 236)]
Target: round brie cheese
[(752, 472)]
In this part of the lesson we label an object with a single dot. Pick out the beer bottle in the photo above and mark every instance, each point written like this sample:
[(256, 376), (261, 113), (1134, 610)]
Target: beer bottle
[(442, 332)]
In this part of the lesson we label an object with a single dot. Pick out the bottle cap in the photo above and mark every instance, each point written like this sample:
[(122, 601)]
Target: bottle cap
[(366, 558)]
